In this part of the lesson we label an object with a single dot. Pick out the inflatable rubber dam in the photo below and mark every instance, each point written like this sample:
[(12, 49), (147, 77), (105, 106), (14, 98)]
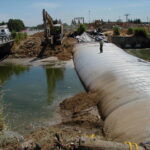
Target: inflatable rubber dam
[(123, 84)]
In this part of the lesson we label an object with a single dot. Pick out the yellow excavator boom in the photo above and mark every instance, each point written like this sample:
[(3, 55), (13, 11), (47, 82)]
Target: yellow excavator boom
[(53, 32)]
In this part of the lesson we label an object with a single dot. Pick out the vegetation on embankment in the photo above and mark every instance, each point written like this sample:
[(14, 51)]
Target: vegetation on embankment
[(136, 32), (134, 38), (19, 36), (130, 31), (141, 53), (116, 31), (16, 26), (140, 32), (79, 30), (82, 28)]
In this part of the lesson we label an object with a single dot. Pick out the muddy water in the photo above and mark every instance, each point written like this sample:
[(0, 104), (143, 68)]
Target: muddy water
[(30, 95)]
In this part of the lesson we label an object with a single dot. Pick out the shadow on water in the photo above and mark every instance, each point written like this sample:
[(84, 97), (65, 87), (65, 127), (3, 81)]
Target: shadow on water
[(53, 75)]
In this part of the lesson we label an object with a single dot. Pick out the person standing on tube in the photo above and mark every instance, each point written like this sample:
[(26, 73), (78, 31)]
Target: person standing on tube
[(101, 45)]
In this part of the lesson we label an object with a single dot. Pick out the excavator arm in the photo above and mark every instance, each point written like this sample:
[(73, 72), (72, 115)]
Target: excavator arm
[(52, 32), (48, 24)]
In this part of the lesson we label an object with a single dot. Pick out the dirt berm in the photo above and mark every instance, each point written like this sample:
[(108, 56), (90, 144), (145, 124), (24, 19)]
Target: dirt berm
[(31, 47)]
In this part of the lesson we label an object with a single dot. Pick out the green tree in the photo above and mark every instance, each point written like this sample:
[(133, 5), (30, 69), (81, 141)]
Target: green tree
[(140, 32), (16, 25), (81, 29), (130, 31), (3, 23), (116, 31)]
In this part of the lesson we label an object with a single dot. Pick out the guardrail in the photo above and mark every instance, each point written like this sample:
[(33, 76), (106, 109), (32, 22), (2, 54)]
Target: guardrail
[(4, 39)]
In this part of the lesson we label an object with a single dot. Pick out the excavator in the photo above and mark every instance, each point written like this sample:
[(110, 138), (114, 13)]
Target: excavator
[(53, 30)]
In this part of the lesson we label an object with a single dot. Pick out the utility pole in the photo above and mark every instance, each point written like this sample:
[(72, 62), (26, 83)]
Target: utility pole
[(147, 20), (127, 15)]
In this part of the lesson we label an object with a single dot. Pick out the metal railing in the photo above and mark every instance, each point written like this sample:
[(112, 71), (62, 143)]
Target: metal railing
[(5, 39)]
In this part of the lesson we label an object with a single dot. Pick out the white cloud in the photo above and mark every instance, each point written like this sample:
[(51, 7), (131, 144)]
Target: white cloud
[(46, 5)]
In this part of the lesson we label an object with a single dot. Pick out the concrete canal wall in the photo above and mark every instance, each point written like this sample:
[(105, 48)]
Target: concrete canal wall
[(123, 83), (130, 42)]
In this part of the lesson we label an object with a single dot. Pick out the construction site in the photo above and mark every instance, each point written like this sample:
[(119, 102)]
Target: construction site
[(83, 86)]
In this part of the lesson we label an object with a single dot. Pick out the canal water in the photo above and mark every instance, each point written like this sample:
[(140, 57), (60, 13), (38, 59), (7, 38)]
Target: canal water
[(30, 95)]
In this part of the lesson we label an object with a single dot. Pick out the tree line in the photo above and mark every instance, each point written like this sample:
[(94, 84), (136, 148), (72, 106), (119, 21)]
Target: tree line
[(15, 25)]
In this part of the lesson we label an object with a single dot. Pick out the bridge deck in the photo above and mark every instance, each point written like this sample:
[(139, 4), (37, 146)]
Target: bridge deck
[(123, 83)]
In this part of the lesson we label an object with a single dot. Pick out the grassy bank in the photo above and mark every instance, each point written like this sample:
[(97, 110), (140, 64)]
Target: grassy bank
[(141, 53), (19, 36)]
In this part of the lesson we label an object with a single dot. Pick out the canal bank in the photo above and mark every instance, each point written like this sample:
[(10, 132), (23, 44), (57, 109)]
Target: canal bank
[(143, 53)]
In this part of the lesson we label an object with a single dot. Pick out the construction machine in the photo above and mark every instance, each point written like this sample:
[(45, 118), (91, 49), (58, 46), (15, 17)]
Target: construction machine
[(53, 30)]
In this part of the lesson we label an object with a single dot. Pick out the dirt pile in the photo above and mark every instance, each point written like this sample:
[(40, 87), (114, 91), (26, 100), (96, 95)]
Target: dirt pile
[(80, 102), (32, 47), (66, 48), (82, 110), (29, 47)]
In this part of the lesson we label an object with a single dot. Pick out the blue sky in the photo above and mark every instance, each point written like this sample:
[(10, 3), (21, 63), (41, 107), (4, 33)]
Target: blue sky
[(30, 10)]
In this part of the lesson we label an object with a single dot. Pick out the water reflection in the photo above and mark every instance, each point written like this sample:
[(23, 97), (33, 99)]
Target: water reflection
[(53, 75), (30, 95), (10, 69)]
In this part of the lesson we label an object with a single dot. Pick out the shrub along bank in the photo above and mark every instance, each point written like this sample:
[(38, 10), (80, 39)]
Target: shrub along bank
[(19, 36)]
